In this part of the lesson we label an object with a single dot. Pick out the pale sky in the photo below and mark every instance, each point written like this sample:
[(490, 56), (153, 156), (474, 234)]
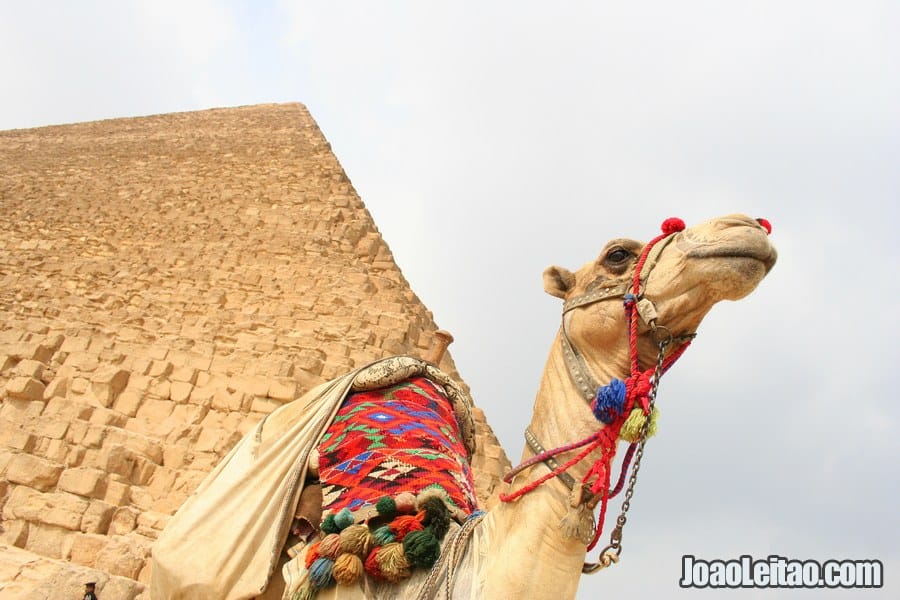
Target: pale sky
[(491, 141)]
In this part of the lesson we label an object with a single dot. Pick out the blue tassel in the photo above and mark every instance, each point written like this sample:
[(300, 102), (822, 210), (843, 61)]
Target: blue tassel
[(610, 401), (321, 573)]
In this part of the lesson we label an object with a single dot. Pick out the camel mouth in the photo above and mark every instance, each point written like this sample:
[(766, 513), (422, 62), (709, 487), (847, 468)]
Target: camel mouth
[(767, 256)]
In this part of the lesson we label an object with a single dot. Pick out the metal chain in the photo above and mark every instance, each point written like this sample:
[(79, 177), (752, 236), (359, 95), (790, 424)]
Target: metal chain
[(610, 554)]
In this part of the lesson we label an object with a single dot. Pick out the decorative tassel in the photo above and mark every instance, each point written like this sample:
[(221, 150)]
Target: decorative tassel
[(634, 424), (356, 539), (321, 573), (386, 507), (392, 562), (328, 525), (422, 548), (437, 517), (329, 546), (348, 568), (609, 402), (343, 519), (383, 536), (372, 567), (404, 524), (405, 502)]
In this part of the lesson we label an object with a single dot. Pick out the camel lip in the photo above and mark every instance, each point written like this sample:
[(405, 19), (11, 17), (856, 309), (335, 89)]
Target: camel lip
[(766, 256)]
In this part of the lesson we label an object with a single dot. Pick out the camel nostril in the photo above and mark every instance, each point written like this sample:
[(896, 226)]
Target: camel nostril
[(765, 225)]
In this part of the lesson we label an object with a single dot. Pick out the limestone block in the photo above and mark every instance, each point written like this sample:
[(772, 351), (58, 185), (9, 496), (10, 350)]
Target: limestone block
[(150, 523), (85, 362), (124, 520), (86, 547), (29, 368), (284, 390), (6, 362), (94, 436), (141, 366), (184, 374), (160, 389), (84, 481), (189, 413), (58, 509), (226, 401), (160, 368), (180, 391), (15, 533), (97, 517), (128, 402), (75, 344), (13, 436), (107, 383), (142, 471), (154, 410), (107, 416), (117, 493), (34, 472), (49, 541), (25, 388), (56, 388), (79, 385), (56, 451), (116, 459), (264, 405), (51, 428)]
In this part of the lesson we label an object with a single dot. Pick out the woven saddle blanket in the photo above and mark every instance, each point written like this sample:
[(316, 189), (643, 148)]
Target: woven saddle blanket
[(403, 438)]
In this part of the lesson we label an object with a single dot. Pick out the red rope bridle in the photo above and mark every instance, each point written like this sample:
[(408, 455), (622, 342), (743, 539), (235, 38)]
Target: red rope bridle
[(638, 388)]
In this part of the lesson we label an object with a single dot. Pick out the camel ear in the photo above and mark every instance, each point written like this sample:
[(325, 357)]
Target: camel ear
[(558, 281)]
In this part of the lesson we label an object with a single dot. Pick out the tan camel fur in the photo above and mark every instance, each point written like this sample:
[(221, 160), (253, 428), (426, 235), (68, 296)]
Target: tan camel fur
[(518, 550)]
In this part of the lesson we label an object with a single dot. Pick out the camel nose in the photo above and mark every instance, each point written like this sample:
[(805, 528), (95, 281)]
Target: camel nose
[(765, 225)]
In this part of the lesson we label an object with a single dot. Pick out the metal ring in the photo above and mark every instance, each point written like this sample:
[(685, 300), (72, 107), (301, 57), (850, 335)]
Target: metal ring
[(667, 337)]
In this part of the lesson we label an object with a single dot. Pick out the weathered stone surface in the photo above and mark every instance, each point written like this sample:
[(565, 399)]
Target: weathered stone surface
[(33, 472), (25, 388), (58, 509), (84, 481), (107, 383)]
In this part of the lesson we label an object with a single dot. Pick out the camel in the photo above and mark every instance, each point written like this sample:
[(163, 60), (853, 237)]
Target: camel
[(534, 544)]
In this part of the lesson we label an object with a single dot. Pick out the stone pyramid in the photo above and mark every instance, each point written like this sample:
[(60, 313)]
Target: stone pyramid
[(165, 282)]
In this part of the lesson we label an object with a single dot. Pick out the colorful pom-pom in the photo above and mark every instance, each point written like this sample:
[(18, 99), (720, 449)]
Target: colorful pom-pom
[(672, 225), (321, 573), (328, 525), (404, 524), (610, 401), (348, 568), (372, 567), (392, 562), (383, 535), (343, 519), (386, 507), (422, 548), (405, 502), (437, 517), (634, 424), (356, 539), (330, 546), (765, 225), (312, 553)]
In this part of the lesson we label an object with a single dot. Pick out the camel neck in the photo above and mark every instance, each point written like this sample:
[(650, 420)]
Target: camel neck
[(545, 553)]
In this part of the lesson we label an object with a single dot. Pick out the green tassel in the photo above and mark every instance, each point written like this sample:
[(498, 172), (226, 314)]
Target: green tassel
[(386, 507), (421, 548), (329, 526)]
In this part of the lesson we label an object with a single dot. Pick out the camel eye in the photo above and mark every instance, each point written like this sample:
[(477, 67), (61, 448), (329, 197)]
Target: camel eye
[(617, 256)]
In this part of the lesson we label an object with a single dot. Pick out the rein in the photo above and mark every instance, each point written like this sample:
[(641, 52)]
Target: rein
[(624, 407)]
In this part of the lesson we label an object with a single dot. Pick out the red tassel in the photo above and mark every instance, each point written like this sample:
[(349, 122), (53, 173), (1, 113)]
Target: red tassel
[(672, 225), (765, 225)]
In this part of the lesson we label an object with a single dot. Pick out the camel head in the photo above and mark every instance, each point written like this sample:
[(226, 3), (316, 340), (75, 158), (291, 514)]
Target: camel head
[(684, 276)]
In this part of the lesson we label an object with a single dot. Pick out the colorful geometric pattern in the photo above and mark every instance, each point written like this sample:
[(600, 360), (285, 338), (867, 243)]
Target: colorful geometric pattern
[(383, 442)]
